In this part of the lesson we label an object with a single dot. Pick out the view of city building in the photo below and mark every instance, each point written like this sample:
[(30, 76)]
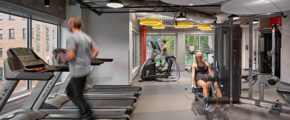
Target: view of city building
[(14, 33)]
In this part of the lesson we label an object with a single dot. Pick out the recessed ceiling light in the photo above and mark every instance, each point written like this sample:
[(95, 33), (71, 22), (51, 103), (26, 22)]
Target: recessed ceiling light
[(191, 4), (46, 3), (115, 4), (256, 21)]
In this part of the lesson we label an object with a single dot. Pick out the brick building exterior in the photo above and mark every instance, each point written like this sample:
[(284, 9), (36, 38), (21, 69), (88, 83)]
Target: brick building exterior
[(13, 33)]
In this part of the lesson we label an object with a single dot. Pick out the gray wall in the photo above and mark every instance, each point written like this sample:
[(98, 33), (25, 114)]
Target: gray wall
[(57, 7), (285, 54), (110, 33)]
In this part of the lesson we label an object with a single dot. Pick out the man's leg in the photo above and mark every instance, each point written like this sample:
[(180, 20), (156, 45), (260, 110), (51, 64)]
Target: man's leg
[(75, 93)]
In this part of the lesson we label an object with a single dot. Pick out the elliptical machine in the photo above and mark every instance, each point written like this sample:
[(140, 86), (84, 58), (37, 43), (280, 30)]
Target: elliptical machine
[(164, 71)]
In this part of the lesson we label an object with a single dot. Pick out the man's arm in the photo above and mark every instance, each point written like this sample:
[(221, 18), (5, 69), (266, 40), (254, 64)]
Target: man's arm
[(71, 54), (95, 52), (70, 48)]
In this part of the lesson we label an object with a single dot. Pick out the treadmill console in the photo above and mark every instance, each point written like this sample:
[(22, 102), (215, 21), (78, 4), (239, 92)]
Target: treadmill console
[(27, 58)]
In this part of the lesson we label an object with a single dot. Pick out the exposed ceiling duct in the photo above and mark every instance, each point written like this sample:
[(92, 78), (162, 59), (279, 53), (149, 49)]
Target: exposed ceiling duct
[(198, 13), (191, 2)]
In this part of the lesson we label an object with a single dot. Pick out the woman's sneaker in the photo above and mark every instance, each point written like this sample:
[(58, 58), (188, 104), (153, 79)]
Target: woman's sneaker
[(209, 107)]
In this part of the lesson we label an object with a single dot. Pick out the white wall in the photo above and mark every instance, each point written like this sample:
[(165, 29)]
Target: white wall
[(245, 42), (285, 56), (180, 50), (110, 32)]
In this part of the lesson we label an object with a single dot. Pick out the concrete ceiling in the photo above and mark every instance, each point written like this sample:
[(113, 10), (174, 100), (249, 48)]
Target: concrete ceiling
[(246, 7), (201, 11)]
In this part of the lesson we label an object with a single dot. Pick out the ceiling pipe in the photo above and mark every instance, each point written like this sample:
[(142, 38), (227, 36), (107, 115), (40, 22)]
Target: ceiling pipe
[(140, 11), (84, 5), (162, 6)]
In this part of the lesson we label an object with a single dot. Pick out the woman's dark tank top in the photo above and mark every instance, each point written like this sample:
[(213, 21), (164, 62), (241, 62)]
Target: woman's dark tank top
[(201, 70)]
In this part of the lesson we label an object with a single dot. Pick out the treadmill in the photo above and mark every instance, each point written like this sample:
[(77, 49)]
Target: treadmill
[(27, 62), (105, 90)]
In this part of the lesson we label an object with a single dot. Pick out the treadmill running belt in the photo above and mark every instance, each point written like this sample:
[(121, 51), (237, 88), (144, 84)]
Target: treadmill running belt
[(114, 90), (118, 86), (102, 104)]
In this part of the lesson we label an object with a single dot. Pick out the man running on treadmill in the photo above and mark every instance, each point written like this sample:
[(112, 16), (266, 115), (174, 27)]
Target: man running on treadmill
[(80, 51)]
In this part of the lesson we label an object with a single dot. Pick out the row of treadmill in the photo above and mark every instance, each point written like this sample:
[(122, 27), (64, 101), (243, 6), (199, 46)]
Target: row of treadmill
[(46, 101)]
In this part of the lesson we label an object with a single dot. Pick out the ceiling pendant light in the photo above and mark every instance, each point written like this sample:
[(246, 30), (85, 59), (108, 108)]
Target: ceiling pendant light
[(204, 26), (183, 24), (256, 21), (234, 17), (181, 17), (206, 29), (115, 4), (46, 3), (150, 21), (161, 26)]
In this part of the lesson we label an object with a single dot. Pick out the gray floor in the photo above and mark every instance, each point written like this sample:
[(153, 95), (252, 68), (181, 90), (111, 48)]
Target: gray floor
[(170, 101)]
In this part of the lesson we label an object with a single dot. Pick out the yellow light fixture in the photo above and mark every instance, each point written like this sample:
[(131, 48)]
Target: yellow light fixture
[(161, 26), (150, 22), (206, 29), (203, 26), (183, 24)]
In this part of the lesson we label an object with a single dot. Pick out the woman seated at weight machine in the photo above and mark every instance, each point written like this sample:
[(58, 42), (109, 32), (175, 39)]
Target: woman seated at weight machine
[(203, 76)]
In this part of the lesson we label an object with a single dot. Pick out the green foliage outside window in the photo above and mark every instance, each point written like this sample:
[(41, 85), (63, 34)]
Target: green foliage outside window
[(198, 42)]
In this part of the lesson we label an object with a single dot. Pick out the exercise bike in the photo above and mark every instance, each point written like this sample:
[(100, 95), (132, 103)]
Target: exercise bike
[(163, 70)]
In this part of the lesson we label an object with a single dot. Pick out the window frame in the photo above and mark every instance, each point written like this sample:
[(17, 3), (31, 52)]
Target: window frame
[(162, 35), (11, 17), (10, 33), (24, 33), (29, 39), (199, 39), (135, 48), (1, 52), (1, 34)]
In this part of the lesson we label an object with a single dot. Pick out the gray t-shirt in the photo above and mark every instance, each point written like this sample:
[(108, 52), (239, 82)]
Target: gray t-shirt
[(82, 44)]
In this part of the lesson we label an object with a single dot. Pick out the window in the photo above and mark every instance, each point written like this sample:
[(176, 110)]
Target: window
[(43, 44), (32, 33), (17, 25), (196, 42), (1, 76), (170, 41), (24, 32), (47, 38), (136, 54), (1, 33), (11, 17), (37, 38), (11, 33), (1, 52)]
